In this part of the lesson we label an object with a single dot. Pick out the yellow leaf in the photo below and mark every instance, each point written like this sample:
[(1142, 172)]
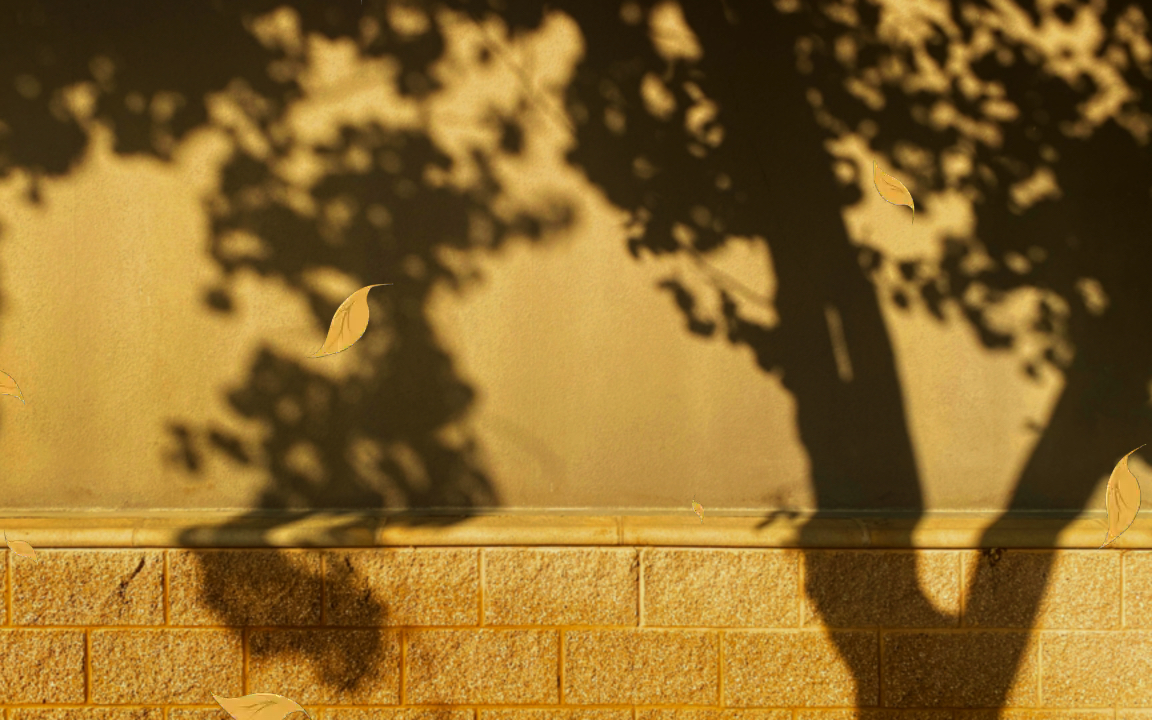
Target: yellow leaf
[(892, 189), (1123, 498), (697, 508), (20, 547), (259, 706), (348, 324), (8, 386)]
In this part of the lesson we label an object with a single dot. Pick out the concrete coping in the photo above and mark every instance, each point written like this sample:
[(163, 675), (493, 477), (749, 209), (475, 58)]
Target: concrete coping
[(159, 529)]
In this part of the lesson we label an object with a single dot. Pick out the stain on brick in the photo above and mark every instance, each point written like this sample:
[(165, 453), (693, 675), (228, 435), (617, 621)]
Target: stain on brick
[(1068, 590), (696, 588), (960, 670), (244, 587), (800, 668), (89, 587), (875, 714), (329, 667), (641, 667), (487, 667), (561, 586), (403, 587), (164, 666), (42, 666)]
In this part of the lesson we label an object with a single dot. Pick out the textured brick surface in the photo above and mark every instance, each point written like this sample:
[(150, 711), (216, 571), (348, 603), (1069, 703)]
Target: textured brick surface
[(560, 587), (964, 670), (800, 668), (855, 589), (669, 714), (1097, 669), (4, 618), (212, 713), (557, 714), (164, 666), (1076, 590), (331, 667), (483, 666), (89, 587), (875, 714), (42, 666), (244, 587), (399, 714), (697, 588), (1138, 589), (403, 587), (1062, 714), (87, 713), (641, 667)]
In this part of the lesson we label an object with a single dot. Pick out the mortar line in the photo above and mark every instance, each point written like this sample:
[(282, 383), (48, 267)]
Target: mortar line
[(560, 670), (244, 639), (642, 552), (1123, 562), (800, 575), (167, 585), (880, 667), (720, 669), (403, 666), (482, 580), (87, 666), (323, 586), (1040, 668)]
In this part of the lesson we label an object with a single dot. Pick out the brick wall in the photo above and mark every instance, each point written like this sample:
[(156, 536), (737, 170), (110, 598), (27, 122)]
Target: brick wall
[(602, 633)]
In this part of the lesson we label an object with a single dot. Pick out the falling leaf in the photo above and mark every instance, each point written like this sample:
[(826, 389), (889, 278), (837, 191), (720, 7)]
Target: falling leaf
[(259, 706), (1123, 497), (20, 547), (8, 386), (697, 508), (348, 324), (892, 189)]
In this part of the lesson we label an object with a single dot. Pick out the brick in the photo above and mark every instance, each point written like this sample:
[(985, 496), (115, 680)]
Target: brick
[(89, 587), (1129, 714), (327, 667), (641, 666), (399, 714), (1065, 590), (875, 714), (800, 668), (857, 589), (960, 669), (695, 588), (1138, 589), (87, 713), (487, 667), (561, 587), (402, 587), (244, 587), (165, 666), (42, 666), (1033, 715), (1086, 670), (4, 619), (558, 714), (670, 714), (212, 713)]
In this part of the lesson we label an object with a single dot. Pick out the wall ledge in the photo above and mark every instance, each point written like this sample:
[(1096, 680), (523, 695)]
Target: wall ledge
[(158, 529)]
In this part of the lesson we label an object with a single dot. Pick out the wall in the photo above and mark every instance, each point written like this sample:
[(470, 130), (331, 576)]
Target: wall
[(157, 306), (610, 632)]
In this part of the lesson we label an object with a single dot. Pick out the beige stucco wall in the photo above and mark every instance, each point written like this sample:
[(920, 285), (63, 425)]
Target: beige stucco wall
[(590, 393)]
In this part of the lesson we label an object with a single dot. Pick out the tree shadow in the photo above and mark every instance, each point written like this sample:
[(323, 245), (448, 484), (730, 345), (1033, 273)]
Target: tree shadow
[(723, 134), (703, 136), (390, 433)]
